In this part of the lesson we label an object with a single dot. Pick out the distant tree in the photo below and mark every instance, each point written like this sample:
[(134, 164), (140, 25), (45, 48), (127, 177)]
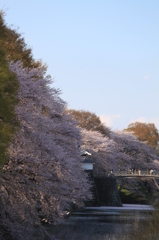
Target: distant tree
[(145, 132), (89, 121), (44, 174)]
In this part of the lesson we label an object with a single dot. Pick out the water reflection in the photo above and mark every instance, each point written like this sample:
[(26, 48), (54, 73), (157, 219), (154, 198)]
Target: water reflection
[(104, 223)]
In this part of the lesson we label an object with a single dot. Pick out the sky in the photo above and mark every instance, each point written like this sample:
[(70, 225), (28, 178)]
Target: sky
[(102, 54)]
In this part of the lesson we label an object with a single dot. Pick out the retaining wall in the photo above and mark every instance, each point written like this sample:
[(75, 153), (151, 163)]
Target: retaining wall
[(104, 190)]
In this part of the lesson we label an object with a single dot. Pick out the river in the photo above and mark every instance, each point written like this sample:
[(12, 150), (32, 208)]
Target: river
[(104, 223)]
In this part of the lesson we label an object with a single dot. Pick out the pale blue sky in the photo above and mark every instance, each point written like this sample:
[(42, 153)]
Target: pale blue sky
[(103, 55)]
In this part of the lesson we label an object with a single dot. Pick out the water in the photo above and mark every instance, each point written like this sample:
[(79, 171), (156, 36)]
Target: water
[(104, 223)]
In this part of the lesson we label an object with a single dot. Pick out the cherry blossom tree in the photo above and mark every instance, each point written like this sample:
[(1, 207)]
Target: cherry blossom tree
[(121, 150), (132, 152), (102, 148), (44, 174)]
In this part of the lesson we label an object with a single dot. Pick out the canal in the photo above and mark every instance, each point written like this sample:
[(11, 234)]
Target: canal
[(104, 223)]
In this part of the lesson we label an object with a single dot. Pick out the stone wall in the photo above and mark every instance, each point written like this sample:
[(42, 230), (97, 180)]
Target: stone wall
[(108, 194), (104, 190)]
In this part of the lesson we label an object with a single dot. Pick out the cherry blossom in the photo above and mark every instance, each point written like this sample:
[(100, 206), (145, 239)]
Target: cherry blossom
[(44, 173)]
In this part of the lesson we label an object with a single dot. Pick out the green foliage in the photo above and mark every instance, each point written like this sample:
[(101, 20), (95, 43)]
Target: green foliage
[(128, 197), (8, 89)]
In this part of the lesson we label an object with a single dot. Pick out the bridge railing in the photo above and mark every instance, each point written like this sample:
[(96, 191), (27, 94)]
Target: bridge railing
[(126, 173), (134, 173)]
